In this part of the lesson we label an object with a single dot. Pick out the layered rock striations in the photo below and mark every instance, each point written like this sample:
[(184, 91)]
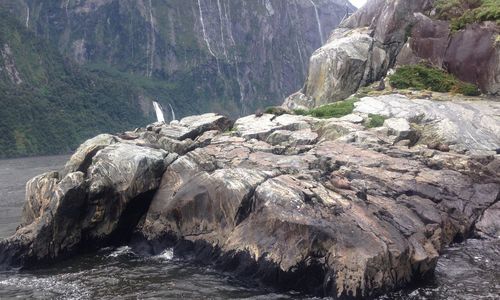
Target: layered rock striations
[(323, 206), (384, 34)]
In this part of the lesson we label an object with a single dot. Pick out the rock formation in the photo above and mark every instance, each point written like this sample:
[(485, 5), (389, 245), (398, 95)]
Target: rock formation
[(471, 54), (322, 206), (384, 34)]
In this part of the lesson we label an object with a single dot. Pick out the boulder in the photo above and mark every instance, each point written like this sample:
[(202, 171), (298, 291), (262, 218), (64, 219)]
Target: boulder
[(65, 212), (401, 129)]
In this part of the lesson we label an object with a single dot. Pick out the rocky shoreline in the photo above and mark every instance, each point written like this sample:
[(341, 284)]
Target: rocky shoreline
[(324, 206)]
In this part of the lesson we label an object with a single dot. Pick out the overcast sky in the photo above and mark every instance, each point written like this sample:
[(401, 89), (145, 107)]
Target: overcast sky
[(358, 3)]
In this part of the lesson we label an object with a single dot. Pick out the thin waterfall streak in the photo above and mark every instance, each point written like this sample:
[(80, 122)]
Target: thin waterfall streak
[(204, 30), (172, 111), (27, 16), (228, 21), (221, 28), (152, 40), (318, 21), (300, 54), (159, 112)]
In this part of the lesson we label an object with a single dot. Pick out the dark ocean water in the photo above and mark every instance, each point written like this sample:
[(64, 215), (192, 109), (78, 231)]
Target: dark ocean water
[(466, 271)]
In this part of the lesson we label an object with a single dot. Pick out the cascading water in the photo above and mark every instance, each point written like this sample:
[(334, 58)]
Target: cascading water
[(27, 16), (205, 37), (159, 112), (318, 21), (172, 111), (221, 28), (151, 43)]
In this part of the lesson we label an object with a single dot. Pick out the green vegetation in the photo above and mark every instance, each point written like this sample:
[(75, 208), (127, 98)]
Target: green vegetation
[(275, 110), (333, 110), (375, 121), (422, 77), (58, 104), (463, 12)]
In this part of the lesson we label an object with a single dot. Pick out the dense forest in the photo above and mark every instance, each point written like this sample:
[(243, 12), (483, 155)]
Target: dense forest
[(49, 104)]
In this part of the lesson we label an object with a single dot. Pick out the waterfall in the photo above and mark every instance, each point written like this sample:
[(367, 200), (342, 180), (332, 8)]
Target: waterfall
[(159, 112), (172, 111), (221, 28), (318, 21), (302, 64), (204, 30), (27, 16), (151, 43), (228, 22)]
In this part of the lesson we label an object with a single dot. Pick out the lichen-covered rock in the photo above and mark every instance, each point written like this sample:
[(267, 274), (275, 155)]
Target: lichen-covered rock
[(359, 52), (471, 126), (326, 207), (62, 214)]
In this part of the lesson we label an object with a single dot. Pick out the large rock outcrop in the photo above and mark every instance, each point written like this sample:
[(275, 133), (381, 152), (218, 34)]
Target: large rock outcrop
[(359, 52), (326, 207), (385, 33)]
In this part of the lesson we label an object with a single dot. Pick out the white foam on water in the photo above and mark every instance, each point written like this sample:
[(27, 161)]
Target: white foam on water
[(124, 250), (168, 254), (53, 286)]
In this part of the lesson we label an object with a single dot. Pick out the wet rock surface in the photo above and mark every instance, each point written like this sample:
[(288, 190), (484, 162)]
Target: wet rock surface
[(325, 207)]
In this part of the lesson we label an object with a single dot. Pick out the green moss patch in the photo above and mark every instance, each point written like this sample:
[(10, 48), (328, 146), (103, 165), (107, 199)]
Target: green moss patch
[(333, 110), (463, 12), (375, 121), (421, 77)]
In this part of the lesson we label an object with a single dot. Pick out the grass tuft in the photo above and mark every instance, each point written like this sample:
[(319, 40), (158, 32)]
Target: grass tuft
[(375, 121), (463, 12), (333, 110), (421, 77)]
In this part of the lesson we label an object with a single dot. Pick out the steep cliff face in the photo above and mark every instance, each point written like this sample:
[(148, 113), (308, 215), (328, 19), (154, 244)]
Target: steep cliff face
[(199, 55), (48, 104), (223, 55), (385, 33)]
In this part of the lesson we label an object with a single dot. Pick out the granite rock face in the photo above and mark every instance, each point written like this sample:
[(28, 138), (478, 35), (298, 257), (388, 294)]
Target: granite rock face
[(471, 54), (384, 34), (360, 51), (326, 207)]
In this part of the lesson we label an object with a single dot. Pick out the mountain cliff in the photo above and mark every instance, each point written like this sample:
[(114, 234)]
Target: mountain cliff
[(228, 56), (49, 104), (198, 55)]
